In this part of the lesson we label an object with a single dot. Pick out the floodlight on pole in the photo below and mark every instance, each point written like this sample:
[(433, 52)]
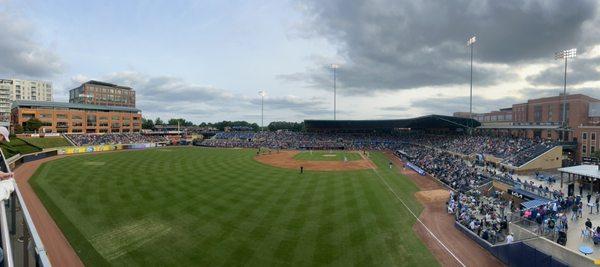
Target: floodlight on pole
[(565, 54), (470, 44), (334, 67), (262, 95)]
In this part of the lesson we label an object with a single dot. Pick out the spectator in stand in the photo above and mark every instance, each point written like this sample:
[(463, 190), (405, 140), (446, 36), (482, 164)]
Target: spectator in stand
[(4, 134), (114, 138)]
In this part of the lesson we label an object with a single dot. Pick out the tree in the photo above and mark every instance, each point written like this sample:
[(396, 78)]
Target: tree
[(181, 122), (147, 124), (33, 125), (596, 154), (158, 121), (284, 125)]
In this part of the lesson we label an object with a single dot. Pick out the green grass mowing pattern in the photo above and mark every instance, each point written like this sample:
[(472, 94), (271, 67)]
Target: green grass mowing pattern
[(327, 155), (47, 142), (219, 207)]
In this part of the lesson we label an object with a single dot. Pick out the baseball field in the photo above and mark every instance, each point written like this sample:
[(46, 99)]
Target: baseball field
[(217, 207)]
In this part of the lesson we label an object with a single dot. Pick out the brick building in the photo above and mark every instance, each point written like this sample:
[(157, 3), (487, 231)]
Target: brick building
[(60, 117), (102, 93), (542, 118)]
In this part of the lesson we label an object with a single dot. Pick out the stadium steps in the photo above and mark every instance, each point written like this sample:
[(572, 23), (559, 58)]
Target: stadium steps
[(69, 139)]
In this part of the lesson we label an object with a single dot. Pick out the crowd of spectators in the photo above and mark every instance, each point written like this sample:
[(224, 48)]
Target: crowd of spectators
[(298, 140), (485, 216), (448, 168), (514, 150), (114, 138)]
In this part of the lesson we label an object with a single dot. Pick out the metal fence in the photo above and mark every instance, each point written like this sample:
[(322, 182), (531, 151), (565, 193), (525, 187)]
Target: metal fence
[(21, 243), (531, 234)]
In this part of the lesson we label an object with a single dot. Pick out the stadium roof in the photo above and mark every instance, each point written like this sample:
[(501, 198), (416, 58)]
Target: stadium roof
[(424, 122), (592, 171), (48, 104)]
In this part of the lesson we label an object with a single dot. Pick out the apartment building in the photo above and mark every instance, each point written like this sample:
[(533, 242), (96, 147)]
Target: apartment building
[(16, 89)]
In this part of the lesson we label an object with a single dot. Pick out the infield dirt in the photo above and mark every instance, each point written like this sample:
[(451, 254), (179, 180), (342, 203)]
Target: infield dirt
[(285, 159)]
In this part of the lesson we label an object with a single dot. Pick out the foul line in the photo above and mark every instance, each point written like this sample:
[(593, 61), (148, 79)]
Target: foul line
[(419, 220)]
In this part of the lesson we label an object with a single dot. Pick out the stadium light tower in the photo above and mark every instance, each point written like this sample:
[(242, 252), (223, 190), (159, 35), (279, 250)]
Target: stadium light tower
[(565, 54), (262, 94), (334, 67), (471, 44)]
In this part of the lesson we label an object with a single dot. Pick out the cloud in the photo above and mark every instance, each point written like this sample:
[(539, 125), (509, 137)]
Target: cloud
[(449, 105), (581, 70), (20, 54), (168, 97), (395, 45)]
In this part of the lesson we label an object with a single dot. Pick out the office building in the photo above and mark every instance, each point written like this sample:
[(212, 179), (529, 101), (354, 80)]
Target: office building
[(103, 94)]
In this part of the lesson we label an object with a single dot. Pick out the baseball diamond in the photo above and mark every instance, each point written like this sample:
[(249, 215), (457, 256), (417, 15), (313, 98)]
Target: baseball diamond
[(199, 206)]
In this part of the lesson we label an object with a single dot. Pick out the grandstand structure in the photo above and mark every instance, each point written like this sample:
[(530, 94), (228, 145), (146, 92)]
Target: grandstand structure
[(433, 123)]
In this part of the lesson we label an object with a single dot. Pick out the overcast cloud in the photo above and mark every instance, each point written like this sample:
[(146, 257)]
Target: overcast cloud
[(394, 45), (398, 58), (20, 53)]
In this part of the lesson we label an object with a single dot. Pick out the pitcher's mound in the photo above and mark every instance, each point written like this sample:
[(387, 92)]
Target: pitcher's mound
[(438, 195)]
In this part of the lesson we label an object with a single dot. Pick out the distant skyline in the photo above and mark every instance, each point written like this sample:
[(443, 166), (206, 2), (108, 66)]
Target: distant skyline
[(205, 61)]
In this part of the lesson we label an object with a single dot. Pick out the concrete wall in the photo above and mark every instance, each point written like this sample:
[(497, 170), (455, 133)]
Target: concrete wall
[(552, 159)]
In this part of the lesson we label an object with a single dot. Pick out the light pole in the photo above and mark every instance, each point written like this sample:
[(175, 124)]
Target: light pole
[(565, 54), (334, 67), (470, 44), (262, 94)]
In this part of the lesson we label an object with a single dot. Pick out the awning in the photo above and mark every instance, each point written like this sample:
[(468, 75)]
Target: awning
[(592, 171), (525, 195), (535, 203)]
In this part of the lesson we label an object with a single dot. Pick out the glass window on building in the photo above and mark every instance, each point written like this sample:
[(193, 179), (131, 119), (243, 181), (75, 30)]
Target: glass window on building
[(91, 120), (561, 112), (584, 136), (593, 135), (584, 150), (537, 113)]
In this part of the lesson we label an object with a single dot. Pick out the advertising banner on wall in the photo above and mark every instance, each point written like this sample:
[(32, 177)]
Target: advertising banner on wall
[(87, 149)]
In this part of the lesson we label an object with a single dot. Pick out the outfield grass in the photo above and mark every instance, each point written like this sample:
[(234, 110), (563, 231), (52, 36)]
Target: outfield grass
[(218, 207), (17, 146), (327, 155), (47, 142)]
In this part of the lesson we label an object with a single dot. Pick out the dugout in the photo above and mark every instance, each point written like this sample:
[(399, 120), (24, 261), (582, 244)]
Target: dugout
[(429, 123)]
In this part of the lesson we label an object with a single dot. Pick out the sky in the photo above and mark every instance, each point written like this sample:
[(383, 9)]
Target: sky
[(205, 61)]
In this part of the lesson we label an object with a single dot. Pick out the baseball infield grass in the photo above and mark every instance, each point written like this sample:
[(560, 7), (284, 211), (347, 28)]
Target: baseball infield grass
[(219, 207), (327, 155)]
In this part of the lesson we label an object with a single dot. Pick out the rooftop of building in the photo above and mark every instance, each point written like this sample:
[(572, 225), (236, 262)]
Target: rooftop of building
[(560, 97), (100, 83), (48, 104), (10, 80)]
